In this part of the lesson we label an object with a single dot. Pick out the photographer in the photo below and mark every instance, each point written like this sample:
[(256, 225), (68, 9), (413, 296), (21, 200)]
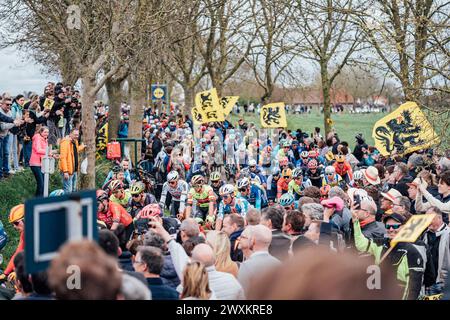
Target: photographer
[(153, 211)]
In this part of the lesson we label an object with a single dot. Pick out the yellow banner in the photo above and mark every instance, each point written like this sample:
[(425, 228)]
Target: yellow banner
[(197, 117), (228, 103), (48, 104), (413, 228), (208, 104), (406, 129), (273, 115)]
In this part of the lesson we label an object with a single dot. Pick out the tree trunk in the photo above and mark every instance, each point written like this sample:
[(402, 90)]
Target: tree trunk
[(137, 101), (88, 128), (326, 99), (115, 95), (188, 99)]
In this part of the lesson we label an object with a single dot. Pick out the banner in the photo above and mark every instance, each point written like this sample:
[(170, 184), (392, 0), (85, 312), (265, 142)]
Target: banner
[(413, 228), (101, 140), (197, 117), (48, 104), (405, 129), (208, 104), (227, 104), (273, 115)]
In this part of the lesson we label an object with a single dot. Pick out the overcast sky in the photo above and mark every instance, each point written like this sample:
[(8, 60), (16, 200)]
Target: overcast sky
[(18, 75)]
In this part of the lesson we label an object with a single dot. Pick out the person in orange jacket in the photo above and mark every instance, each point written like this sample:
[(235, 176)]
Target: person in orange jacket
[(16, 217), (343, 168), (283, 182), (69, 160)]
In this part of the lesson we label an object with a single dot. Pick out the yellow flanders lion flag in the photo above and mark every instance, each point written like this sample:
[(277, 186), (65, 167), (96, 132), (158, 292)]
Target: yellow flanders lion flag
[(197, 116), (405, 129), (208, 104), (273, 115), (228, 103), (48, 104), (413, 228)]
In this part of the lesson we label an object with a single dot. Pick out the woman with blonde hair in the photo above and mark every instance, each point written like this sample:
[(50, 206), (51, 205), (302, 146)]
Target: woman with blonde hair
[(196, 283), (220, 243)]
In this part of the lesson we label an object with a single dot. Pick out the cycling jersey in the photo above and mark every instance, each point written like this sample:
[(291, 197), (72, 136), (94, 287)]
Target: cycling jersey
[(315, 178), (256, 198), (115, 214), (123, 202), (282, 187), (216, 191), (331, 182), (178, 193), (239, 206), (272, 188), (203, 198), (297, 190), (344, 171), (135, 206)]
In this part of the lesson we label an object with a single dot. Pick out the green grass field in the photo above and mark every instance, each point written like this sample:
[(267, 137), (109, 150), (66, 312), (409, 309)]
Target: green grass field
[(347, 125)]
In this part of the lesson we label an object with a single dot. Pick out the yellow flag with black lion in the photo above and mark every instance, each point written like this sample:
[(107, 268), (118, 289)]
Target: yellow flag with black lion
[(405, 130)]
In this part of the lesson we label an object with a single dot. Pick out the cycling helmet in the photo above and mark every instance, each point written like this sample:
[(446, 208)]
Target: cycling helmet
[(56, 193), (17, 213), (137, 188), (214, 176), (115, 185), (151, 210), (324, 190), (297, 173), (286, 200), (210, 219), (102, 195), (330, 170), (242, 147), (358, 175), (304, 154), (226, 189), (295, 142), (172, 176), (287, 173), (340, 158), (197, 180), (252, 162), (198, 220), (313, 154), (286, 144), (243, 183), (116, 169), (284, 161), (312, 164)]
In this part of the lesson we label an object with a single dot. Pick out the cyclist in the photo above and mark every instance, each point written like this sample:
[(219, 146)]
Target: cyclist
[(257, 171), (298, 183), (113, 214), (285, 150), (330, 177), (343, 168), (283, 182), (178, 190), (139, 199), (204, 197), (272, 182), (303, 162), (16, 218), (314, 173), (287, 201), (230, 204), (358, 177), (252, 193), (216, 184), (153, 212), (118, 193)]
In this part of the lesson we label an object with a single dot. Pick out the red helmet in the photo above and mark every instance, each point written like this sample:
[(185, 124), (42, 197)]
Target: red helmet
[(312, 164), (151, 210), (101, 195)]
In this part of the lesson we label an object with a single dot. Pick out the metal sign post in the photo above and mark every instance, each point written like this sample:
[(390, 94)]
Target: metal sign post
[(47, 168)]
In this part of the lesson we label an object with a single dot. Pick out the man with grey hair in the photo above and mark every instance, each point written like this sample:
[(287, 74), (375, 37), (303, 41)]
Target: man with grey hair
[(224, 285), (255, 242), (366, 212), (312, 211), (189, 228), (341, 218), (133, 289), (253, 216)]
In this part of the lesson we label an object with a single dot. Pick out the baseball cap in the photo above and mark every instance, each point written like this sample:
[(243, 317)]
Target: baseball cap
[(395, 216)]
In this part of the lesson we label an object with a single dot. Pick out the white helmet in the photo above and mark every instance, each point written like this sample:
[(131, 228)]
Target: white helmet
[(358, 175), (226, 189), (243, 183), (330, 170), (242, 147), (304, 154), (252, 162), (172, 176)]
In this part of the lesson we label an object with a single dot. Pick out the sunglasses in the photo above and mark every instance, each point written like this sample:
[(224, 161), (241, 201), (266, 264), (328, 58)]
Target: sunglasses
[(226, 197), (286, 177), (172, 183), (392, 226), (243, 189), (16, 223), (136, 195)]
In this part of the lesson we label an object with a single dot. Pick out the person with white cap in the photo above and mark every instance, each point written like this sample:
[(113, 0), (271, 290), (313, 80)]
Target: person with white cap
[(388, 199)]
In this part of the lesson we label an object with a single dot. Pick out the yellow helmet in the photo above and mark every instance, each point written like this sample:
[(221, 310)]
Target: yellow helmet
[(287, 172), (17, 213), (340, 158)]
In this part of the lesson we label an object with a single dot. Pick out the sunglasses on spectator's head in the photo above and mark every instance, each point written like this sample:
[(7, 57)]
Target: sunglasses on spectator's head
[(392, 226)]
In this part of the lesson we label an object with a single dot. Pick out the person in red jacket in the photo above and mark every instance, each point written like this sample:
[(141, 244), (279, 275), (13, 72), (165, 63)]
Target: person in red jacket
[(16, 217)]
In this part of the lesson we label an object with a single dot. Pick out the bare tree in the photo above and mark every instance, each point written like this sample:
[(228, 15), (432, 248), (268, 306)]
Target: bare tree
[(272, 52), (328, 37)]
